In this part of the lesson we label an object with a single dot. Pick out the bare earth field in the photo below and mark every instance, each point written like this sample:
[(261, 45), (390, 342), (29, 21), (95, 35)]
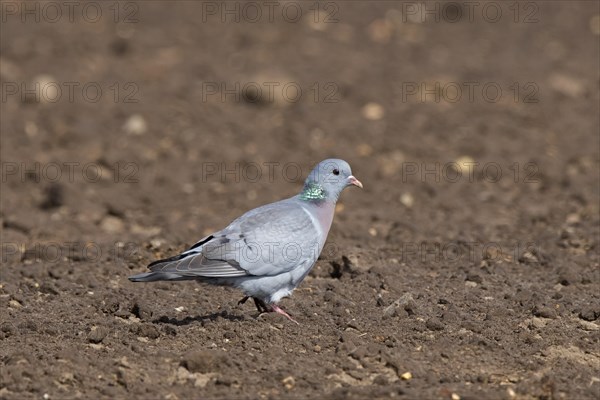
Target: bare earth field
[(467, 268)]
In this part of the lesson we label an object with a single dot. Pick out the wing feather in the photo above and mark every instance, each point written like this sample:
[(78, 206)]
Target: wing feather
[(268, 240)]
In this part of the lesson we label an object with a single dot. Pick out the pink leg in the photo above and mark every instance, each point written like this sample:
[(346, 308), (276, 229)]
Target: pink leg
[(278, 310)]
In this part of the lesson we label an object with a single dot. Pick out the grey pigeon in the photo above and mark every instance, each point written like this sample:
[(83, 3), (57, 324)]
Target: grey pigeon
[(267, 251)]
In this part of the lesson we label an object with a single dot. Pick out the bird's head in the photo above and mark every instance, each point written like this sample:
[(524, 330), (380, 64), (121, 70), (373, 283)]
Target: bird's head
[(327, 180)]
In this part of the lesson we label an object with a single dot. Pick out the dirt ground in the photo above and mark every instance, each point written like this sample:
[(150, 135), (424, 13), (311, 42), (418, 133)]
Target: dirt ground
[(467, 268)]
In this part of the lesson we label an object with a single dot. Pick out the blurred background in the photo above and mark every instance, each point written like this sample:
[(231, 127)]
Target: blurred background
[(470, 260)]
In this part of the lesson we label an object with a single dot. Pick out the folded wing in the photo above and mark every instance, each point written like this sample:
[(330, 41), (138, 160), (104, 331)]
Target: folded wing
[(269, 240)]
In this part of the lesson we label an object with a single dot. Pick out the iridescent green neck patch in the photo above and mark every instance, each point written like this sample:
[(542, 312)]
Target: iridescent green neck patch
[(313, 192)]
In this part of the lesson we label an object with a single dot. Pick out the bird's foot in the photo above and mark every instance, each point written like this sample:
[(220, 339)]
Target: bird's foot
[(279, 310), (263, 308)]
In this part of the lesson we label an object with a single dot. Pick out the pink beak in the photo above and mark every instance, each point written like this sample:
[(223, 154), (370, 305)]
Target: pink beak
[(353, 181)]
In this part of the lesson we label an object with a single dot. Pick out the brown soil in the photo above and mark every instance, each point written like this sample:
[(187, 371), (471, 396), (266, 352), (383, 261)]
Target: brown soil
[(431, 285)]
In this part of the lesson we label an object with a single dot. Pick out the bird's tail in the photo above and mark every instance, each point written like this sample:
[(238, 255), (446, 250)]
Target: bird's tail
[(168, 269), (158, 276)]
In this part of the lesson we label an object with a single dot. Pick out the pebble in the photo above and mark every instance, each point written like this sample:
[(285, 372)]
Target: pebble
[(15, 304), (288, 382), (135, 125), (538, 323), (364, 150), (111, 224), (545, 312), (464, 164), (590, 313), (373, 111), (407, 376), (204, 361), (589, 326), (567, 85), (434, 324), (406, 303), (380, 31), (46, 88), (97, 334), (407, 200)]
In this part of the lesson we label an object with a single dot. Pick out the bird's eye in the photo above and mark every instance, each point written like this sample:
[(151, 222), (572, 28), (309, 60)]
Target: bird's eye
[(336, 171)]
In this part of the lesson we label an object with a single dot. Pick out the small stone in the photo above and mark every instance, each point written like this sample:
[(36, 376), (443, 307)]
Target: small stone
[(259, 94), (407, 376), (319, 21), (464, 165), (454, 396), (112, 224), (205, 361), (31, 129), (141, 310), (97, 334), (567, 85), (544, 312), (147, 331), (364, 150), (538, 323), (573, 219), (434, 324), (135, 125), (471, 277), (352, 263), (568, 277), (407, 200), (15, 304), (405, 302), (288, 382), (46, 89), (380, 30), (373, 111), (588, 326), (590, 313)]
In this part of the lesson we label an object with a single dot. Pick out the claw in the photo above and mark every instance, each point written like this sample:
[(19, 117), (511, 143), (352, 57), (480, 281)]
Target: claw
[(263, 308), (279, 310)]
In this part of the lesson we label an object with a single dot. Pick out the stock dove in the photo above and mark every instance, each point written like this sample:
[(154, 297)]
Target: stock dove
[(269, 250)]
